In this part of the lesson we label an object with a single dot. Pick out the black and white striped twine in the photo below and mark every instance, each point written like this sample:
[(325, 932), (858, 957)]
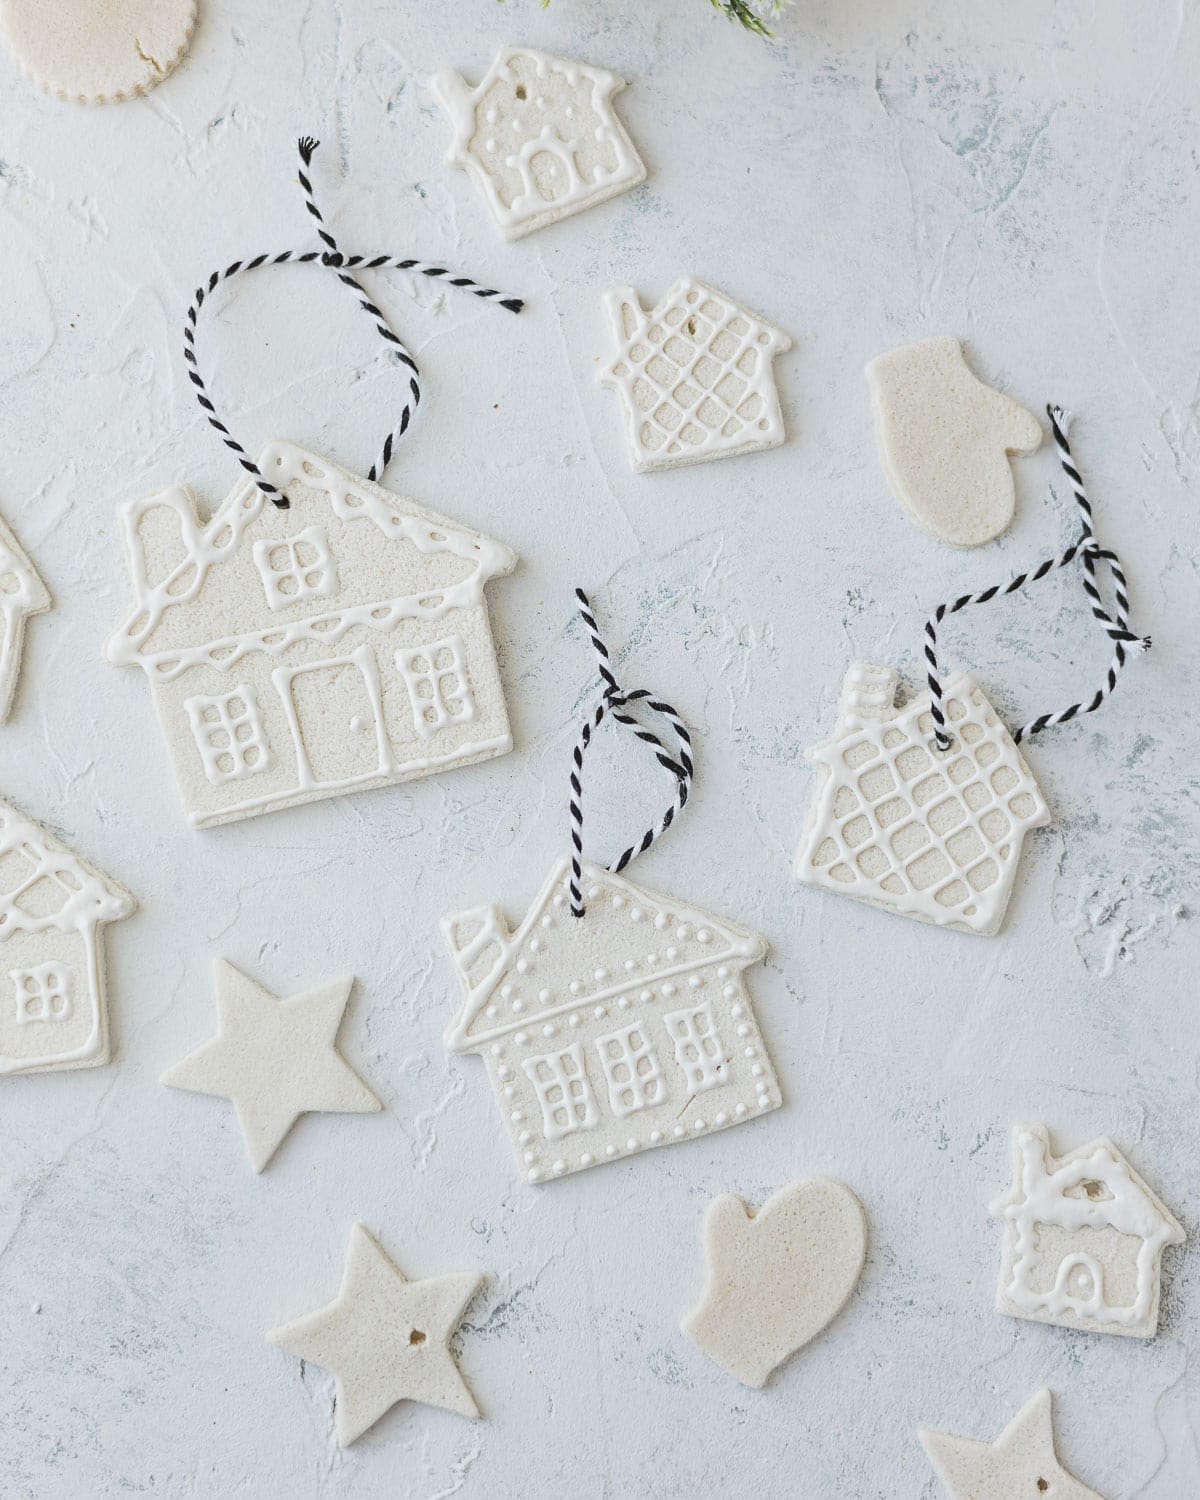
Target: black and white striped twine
[(1116, 626), (614, 700), (343, 265)]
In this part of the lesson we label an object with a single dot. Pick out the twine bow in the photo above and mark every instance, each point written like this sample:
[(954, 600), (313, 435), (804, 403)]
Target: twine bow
[(1088, 550), (614, 700), (343, 266)]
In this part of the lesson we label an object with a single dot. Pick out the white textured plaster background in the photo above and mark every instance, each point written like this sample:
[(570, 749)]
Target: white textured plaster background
[(1024, 176)]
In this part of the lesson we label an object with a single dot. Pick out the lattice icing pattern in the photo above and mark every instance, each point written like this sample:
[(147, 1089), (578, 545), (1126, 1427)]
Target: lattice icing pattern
[(607, 1035), (1084, 1238), (695, 376), (539, 137), (897, 823), (297, 653), (53, 1012)]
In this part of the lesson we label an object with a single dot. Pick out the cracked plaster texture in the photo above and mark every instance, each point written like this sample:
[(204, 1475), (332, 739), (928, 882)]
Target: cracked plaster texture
[(1021, 176)]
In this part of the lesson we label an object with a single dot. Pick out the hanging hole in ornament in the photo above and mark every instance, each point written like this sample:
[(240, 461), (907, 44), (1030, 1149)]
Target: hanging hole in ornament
[(522, 92), (690, 325), (415, 1339), (1043, 1485)]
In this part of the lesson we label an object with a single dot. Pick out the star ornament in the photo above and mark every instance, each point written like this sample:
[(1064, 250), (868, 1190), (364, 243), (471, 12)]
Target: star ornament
[(1020, 1465), (385, 1339), (275, 1059)]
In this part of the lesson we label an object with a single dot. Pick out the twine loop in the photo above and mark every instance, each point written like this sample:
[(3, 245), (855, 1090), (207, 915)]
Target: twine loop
[(1089, 552), (331, 258), (614, 701)]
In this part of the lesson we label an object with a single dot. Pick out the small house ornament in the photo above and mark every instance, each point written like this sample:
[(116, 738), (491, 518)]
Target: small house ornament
[(922, 808), (613, 1019), (53, 909), (319, 634), (695, 376), (539, 136), (1084, 1238)]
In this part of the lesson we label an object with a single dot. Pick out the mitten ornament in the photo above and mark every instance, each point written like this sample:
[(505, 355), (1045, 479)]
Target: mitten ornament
[(944, 439)]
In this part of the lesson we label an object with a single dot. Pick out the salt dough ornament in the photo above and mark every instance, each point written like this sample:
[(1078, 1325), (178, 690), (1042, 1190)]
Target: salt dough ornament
[(933, 837), (295, 654), (539, 136), (91, 53), (944, 439), (1083, 1239), (922, 809), (1021, 1464), (613, 1019), (695, 376), (778, 1277), (22, 593), (53, 909), (275, 1059), (385, 1339)]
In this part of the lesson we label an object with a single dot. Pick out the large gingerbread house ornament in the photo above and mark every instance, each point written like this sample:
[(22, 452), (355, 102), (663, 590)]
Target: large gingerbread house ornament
[(694, 376), (897, 823), (539, 136), (608, 1035), (293, 654), (53, 908)]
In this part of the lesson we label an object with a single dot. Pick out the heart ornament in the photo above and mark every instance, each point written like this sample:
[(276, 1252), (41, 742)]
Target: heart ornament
[(777, 1277)]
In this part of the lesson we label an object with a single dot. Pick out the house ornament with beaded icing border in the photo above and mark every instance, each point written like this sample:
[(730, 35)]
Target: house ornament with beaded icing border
[(1084, 1238), (605, 1035), (695, 376), (53, 907), (295, 654), (899, 824), (539, 136)]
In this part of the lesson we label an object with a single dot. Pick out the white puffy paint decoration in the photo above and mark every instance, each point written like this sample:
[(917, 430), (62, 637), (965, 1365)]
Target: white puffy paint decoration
[(294, 654), (695, 376), (776, 1278), (1022, 1464), (385, 1339), (539, 137), (896, 822), (1083, 1239), (611, 1033), (944, 439), (88, 52), (22, 593), (274, 1059), (53, 907)]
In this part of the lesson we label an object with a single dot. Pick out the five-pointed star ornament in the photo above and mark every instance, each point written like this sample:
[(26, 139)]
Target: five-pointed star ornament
[(1020, 1465), (385, 1339), (275, 1059)]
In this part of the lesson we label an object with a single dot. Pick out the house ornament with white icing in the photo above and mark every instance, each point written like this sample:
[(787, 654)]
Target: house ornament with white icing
[(22, 593), (53, 1014), (299, 653), (606, 1035), (540, 137), (1083, 1239), (695, 376), (899, 824)]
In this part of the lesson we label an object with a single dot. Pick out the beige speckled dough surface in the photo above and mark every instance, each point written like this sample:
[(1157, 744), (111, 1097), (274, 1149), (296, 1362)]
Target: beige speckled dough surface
[(944, 438), (1020, 1465), (386, 1339), (97, 51), (275, 1059), (777, 1277)]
